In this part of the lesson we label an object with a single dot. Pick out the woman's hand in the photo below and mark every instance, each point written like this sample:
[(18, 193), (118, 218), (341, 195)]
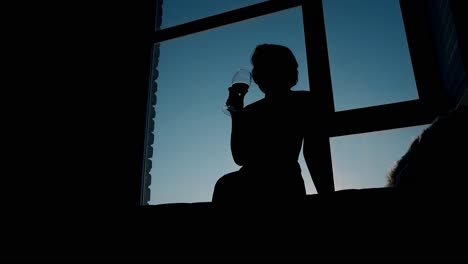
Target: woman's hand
[(236, 96)]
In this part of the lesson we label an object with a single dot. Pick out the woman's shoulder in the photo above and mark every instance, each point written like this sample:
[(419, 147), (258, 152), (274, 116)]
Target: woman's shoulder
[(294, 98), (255, 104)]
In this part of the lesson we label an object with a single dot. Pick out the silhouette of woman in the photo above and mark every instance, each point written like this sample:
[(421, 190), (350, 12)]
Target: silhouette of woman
[(267, 135)]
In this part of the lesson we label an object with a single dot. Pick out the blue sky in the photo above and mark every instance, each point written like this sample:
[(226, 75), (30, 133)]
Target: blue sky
[(370, 65)]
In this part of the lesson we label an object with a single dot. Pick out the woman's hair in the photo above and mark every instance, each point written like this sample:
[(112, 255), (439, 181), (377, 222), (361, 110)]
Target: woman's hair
[(274, 65)]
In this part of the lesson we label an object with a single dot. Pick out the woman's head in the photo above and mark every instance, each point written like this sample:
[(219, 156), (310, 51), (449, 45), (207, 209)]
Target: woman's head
[(274, 67)]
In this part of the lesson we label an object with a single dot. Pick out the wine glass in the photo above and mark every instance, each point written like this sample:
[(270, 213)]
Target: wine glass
[(240, 82)]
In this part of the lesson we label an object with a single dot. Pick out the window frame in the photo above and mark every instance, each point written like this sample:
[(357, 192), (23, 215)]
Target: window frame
[(334, 123)]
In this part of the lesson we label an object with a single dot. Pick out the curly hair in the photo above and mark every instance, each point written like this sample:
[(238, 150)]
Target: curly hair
[(274, 65)]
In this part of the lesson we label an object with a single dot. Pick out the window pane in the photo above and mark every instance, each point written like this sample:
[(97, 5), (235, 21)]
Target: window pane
[(192, 134), (369, 57), (363, 160), (176, 12)]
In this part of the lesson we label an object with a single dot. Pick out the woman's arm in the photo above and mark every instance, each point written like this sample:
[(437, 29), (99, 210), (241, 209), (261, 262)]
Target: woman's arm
[(238, 118), (237, 136)]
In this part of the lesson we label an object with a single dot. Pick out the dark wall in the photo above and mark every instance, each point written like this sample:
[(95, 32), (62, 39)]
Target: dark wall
[(112, 103), (461, 24), (447, 34), (85, 108), (80, 122)]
